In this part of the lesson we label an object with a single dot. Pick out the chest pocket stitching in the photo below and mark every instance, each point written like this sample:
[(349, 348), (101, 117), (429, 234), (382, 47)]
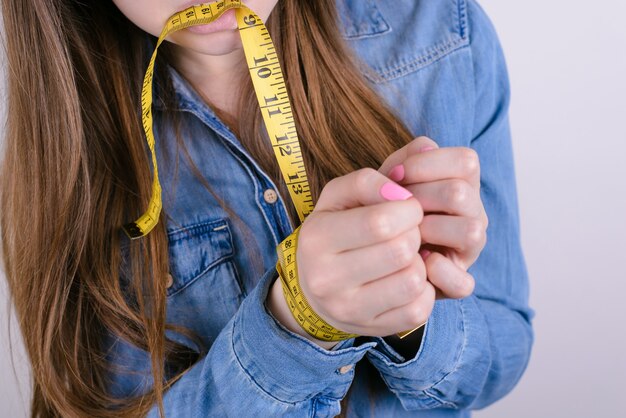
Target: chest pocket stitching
[(372, 24), (430, 54), (213, 246)]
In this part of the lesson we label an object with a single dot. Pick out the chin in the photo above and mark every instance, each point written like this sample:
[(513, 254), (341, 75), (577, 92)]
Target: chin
[(219, 43)]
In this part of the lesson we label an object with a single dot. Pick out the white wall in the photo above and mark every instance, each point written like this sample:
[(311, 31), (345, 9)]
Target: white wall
[(567, 61)]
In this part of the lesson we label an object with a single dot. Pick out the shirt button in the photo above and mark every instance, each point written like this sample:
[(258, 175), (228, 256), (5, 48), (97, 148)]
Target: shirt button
[(270, 196), (346, 369), (170, 281)]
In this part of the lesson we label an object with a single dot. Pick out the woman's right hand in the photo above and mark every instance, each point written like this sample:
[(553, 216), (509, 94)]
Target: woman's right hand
[(358, 261)]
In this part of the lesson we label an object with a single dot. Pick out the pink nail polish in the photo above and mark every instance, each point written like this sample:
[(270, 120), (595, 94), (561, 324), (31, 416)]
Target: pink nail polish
[(392, 191), (425, 254), (427, 148), (396, 173)]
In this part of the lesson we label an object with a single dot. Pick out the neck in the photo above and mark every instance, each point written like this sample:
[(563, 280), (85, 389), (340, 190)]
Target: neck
[(216, 78)]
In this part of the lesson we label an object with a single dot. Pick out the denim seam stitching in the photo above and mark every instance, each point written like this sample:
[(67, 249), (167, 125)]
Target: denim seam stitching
[(462, 17), (460, 356), (202, 226), (434, 53), (257, 199), (441, 401), (184, 107), (426, 391), (401, 392), (214, 264), (377, 18), (245, 166), (429, 57)]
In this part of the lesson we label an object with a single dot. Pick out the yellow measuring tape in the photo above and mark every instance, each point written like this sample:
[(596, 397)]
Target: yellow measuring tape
[(271, 92), (269, 84), (308, 319)]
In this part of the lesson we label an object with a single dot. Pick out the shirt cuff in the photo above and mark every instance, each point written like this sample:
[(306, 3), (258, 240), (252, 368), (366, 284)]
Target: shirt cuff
[(284, 364), (420, 381)]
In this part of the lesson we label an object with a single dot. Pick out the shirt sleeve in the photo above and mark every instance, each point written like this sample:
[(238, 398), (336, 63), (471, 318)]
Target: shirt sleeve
[(475, 350), (256, 367)]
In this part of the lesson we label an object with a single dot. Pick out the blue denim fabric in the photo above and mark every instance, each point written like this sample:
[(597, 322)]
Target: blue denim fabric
[(440, 66)]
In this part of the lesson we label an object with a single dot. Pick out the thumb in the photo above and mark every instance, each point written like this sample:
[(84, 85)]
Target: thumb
[(363, 187)]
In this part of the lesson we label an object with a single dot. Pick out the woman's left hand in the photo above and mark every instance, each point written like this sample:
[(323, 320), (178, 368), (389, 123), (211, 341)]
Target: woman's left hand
[(446, 181)]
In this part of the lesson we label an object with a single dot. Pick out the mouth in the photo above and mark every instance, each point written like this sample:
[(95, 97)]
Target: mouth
[(188, 4), (226, 22)]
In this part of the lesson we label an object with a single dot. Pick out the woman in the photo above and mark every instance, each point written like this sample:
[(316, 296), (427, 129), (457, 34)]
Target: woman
[(191, 319)]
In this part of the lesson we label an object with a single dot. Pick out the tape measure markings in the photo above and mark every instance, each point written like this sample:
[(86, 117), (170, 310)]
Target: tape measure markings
[(268, 81), (269, 86)]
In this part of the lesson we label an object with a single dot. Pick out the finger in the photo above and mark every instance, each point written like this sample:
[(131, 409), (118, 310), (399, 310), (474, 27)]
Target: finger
[(467, 235), (443, 163), (360, 188), (419, 144), (406, 317), (454, 197), (451, 280), (377, 261), (393, 291), (369, 225)]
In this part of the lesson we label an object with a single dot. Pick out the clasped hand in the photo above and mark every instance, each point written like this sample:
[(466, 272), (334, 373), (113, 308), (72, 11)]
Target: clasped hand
[(375, 254)]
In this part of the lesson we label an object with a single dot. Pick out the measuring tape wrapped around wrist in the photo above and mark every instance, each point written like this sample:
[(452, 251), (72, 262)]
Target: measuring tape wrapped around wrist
[(273, 98), (300, 308), (308, 319)]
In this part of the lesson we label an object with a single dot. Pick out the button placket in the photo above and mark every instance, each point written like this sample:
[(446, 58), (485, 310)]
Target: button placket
[(270, 196)]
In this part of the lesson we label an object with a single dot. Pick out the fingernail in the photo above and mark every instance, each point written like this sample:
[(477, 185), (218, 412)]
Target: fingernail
[(427, 148), (392, 191), (425, 254), (396, 173)]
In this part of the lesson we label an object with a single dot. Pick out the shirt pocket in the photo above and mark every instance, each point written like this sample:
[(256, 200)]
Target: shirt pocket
[(398, 39), (206, 290), (195, 250)]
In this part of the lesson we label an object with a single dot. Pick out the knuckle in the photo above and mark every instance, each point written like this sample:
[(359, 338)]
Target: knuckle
[(458, 192), (344, 312), (336, 312), (416, 209), (413, 283), (313, 235), (416, 314), (470, 283), (380, 225), (420, 142), (316, 289), (319, 285), (363, 179), (475, 235), (328, 188), (402, 252), (470, 162)]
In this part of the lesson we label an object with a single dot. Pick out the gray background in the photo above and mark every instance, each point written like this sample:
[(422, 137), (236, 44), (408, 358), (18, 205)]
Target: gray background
[(567, 61)]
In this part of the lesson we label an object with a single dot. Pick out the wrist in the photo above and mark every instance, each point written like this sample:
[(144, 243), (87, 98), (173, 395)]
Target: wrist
[(277, 305)]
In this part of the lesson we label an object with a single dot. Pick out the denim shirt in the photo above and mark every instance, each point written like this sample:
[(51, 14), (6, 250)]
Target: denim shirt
[(440, 67)]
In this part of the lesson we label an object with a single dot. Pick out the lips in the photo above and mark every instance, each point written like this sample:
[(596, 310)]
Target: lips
[(226, 21), (197, 3)]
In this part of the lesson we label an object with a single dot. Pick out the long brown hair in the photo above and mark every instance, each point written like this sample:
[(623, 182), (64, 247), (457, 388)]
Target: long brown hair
[(75, 169)]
